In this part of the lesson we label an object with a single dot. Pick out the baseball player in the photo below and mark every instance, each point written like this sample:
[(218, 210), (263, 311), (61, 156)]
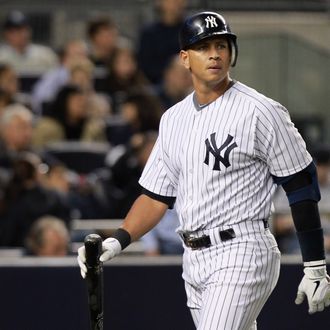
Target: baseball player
[(219, 156)]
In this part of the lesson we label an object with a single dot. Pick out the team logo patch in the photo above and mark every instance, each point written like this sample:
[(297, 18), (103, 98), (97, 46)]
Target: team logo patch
[(211, 21), (212, 148)]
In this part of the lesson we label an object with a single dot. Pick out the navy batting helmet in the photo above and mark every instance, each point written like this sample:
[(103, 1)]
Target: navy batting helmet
[(205, 25)]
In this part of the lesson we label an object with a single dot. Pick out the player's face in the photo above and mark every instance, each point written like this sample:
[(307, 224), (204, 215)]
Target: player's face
[(208, 61)]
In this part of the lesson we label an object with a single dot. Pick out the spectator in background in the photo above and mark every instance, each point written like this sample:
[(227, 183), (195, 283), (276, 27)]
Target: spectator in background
[(25, 200), (142, 112), (125, 77), (68, 120), (283, 226), (49, 84), (16, 128), (102, 34), (163, 239), (5, 100), (9, 82), (48, 237), (18, 49), (176, 84), (158, 41), (56, 176), (81, 74), (80, 193), (126, 164)]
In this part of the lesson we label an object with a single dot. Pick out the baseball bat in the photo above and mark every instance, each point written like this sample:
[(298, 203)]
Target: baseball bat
[(94, 279)]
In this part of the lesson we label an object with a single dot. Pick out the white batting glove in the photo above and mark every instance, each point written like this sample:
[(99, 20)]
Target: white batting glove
[(110, 248), (315, 285), (82, 261)]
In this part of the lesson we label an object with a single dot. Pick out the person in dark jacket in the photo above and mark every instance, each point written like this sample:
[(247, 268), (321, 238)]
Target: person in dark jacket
[(158, 41), (25, 200)]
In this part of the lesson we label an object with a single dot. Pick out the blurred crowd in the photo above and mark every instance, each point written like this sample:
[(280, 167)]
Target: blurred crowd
[(78, 123)]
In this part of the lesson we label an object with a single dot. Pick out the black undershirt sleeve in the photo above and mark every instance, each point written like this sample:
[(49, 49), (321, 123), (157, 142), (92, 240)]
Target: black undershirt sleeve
[(164, 199), (307, 221), (306, 215)]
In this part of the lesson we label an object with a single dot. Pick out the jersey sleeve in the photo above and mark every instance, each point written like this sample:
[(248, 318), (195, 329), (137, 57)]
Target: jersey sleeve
[(155, 176), (278, 142)]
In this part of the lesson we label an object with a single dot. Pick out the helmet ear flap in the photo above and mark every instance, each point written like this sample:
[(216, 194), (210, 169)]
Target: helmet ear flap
[(234, 52)]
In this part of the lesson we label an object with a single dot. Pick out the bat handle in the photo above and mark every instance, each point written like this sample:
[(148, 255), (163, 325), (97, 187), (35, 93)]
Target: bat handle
[(93, 247)]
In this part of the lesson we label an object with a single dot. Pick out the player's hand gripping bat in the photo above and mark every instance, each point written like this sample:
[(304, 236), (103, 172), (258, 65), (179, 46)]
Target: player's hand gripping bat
[(94, 278)]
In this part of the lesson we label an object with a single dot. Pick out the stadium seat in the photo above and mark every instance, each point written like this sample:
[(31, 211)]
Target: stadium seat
[(81, 157)]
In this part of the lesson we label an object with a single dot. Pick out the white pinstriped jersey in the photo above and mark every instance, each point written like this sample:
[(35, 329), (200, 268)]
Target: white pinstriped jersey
[(217, 160)]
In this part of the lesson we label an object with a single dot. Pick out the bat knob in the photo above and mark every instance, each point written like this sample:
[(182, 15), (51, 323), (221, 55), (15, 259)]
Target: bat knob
[(93, 247)]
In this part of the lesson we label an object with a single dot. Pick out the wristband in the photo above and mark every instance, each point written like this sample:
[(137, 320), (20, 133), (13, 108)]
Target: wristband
[(316, 263), (123, 237)]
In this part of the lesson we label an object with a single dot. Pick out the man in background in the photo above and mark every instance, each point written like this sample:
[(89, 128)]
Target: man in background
[(19, 51), (16, 127), (46, 88), (102, 35), (48, 237), (158, 41)]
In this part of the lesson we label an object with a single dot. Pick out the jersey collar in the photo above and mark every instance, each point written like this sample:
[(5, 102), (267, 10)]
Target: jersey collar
[(200, 107)]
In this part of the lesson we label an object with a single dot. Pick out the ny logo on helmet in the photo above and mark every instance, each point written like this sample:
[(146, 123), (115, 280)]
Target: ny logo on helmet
[(211, 21), (215, 151)]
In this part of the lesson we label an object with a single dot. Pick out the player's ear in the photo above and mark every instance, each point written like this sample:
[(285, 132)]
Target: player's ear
[(185, 58)]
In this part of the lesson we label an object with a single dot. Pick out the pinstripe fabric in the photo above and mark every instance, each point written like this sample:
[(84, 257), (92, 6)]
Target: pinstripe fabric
[(228, 284), (267, 143), (217, 160)]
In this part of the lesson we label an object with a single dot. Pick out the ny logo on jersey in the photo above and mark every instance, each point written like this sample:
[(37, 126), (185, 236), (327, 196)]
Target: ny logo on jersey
[(210, 21), (215, 151)]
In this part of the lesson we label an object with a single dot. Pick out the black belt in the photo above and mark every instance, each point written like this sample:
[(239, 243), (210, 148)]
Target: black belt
[(204, 241)]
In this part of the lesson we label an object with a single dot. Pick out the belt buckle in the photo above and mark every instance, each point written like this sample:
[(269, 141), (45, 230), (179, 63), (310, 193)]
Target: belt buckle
[(188, 239), (191, 242), (197, 243)]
